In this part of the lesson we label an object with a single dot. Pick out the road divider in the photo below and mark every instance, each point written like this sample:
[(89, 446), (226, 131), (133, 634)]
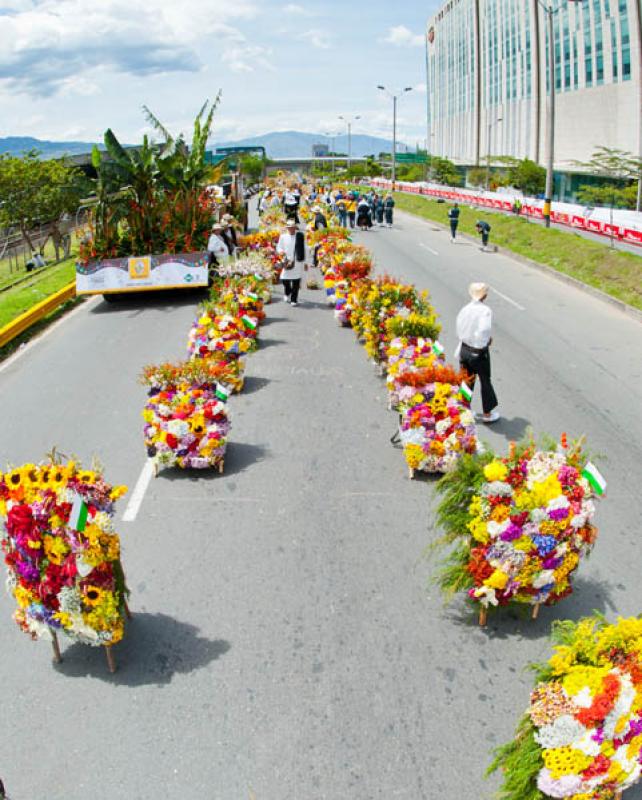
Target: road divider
[(37, 313)]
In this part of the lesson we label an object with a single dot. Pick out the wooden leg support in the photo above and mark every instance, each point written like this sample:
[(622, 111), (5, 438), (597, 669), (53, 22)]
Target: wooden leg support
[(618, 795), (111, 661), (411, 473), (57, 658), (128, 613), (483, 616), (221, 467), (535, 613), (156, 469)]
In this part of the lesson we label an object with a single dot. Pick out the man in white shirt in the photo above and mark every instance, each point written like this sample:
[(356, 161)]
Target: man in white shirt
[(216, 248), (291, 248), (474, 323)]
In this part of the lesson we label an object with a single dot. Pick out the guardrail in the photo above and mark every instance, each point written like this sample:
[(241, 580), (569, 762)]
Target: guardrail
[(35, 314)]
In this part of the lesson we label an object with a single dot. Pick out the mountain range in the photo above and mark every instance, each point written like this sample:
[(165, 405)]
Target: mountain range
[(279, 144)]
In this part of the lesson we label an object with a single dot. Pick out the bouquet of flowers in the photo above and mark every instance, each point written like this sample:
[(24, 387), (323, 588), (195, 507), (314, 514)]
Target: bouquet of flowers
[(216, 330), (437, 426), (522, 524), (408, 354), (62, 553), (251, 264), (186, 419), (581, 737)]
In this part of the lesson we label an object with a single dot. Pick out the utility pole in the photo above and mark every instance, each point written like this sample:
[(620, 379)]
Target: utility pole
[(550, 145), (395, 97), (349, 121), (490, 125)]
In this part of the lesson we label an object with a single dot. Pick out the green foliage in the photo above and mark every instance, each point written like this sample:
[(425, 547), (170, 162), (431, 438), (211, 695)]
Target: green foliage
[(419, 325), (442, 170), (34, 191), (252, 167), (608, 194), (527, 176), (520, 762), (411, 172), (477, 177)]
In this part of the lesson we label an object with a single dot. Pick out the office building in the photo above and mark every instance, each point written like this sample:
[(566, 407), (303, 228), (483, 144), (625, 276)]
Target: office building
[(488, 79)]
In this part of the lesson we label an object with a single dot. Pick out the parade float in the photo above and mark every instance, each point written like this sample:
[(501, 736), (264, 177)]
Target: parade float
[(186, 418), (520, 525), (150, 220), (63, 554), (581, 737)]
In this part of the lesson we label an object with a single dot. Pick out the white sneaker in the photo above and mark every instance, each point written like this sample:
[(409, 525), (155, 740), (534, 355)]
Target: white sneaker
[(492, 417), (286, 299), (293, 303)]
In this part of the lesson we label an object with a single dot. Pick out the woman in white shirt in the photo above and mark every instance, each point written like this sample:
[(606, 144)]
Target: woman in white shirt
[(291, 248), (474, 323), (216, 248)]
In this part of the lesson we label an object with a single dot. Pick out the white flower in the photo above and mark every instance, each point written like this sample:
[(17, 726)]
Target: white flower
[(69, 599), (496, 528), (178, 428), (584, 698), (558, 502), (564, 731), (587, 744), (487, 595), (442, 426), (545, 577), (104, 522), (538, 515), (467, 418), (621, 708), (164, 410)]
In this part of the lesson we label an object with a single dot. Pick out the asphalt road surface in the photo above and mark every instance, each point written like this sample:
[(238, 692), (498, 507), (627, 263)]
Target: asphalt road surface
[(285, 642)]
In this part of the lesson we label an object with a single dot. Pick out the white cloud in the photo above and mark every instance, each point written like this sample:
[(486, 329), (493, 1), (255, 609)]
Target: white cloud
[(317, 38), (44, 44), (400, 36), (294, 8), (247, 58)]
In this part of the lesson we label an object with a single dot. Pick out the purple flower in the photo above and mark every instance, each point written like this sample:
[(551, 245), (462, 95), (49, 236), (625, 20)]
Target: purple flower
[(558, 514), (511, 533)]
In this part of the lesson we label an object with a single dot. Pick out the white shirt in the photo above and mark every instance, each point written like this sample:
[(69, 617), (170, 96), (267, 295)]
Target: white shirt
[(474, 324), (289, 199), (285, 247), (217, 246)]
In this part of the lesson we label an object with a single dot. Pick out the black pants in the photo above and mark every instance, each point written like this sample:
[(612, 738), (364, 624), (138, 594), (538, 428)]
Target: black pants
[(292, 287), (351, 216), (484, 239), (292, 212), (453, 227), (477, 363)]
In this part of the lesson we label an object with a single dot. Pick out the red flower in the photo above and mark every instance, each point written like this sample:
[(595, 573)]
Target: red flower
[(601, 765), (172, 441), (20, 521)]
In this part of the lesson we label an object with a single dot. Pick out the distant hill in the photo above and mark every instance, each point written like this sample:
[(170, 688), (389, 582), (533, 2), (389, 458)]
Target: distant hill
[(16, 145), (297, 144)]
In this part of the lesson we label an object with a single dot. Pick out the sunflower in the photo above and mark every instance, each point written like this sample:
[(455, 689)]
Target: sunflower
[(93, 595), (14, 478), (57, 477), (87, 476)]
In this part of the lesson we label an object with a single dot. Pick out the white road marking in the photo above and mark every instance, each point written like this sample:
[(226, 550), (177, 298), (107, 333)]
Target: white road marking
[(425, 246), (135, 501), (26, 347), (508, 300)]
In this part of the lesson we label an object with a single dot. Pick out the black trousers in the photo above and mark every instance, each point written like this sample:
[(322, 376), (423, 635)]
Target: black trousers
[(351, 217), (292, 286), (292, 212), (453, 227), (477, 364)]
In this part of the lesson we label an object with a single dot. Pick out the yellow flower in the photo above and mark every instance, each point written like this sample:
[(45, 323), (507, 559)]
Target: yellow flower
[(565, 761), (580, 677), (94, 595), (117, 492), (495, 471), (55, 549), (478, 530), (87, 476), (497, 580), (23, 596), (414, 455)]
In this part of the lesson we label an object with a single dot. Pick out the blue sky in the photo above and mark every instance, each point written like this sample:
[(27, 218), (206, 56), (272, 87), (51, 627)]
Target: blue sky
[(71, 68)]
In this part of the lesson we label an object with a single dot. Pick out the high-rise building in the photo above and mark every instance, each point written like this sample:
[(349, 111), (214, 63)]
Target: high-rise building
[(488, 79)]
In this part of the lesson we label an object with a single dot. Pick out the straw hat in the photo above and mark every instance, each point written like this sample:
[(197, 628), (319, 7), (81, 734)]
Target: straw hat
[(291, 223), (217, 226), (478, 291)]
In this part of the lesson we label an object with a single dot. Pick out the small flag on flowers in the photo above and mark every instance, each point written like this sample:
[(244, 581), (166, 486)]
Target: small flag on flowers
[(259, 277), (595, 478), (437, 348), (464, 391), (248, 322), (222, 392), (252, 296), (78, 515)]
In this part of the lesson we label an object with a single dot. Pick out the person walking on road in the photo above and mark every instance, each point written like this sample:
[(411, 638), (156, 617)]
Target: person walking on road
[(474, 323), (217, 252), (320, 220), (351, 207), (291, 248), (388, 207), (483, 228), (453, 218), (342, 211), (378, 209), (364, 214), (291, 205)]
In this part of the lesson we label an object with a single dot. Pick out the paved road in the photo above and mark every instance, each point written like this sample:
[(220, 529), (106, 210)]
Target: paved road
[(285, 645)]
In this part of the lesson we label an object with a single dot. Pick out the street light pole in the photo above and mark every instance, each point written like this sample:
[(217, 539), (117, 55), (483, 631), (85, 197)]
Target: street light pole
[(395, 97), (550, 147), (349, 121)]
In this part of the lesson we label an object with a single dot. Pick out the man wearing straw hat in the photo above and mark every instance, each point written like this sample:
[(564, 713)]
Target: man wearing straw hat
[(474, 323), (291, 248), (216, 248)]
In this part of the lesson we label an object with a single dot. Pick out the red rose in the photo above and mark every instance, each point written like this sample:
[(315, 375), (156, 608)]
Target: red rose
[(20, 521), (172, 441)]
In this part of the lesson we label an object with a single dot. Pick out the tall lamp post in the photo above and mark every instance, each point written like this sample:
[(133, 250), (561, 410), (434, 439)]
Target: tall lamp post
[(332, 136), (490, 125), (395, 97), (549, 11), (349, 121)]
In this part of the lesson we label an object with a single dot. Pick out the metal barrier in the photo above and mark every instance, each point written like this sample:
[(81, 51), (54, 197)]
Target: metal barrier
[(35, 314)]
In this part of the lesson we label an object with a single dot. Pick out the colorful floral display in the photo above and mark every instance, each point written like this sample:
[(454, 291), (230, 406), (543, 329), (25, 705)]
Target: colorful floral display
[(222, 329), (581, 738), (62, 553), (525, 524), (186, 417)]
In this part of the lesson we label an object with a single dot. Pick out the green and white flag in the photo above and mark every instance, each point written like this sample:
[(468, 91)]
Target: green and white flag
[(248, 322), (595, 478), (78, 515), (252, 296), (437, 348), (464, 391), (259, 277), (222, 392)]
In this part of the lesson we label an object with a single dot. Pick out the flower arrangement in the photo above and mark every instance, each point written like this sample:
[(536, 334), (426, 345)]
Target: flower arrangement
[(219, 330), (406, 356), (186, 419), (62, 553), (581, 737), (522, 524), (437, 426), (251, 263)]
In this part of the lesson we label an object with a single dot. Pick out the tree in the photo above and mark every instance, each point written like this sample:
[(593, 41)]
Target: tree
[(442, 170), (527, 176), (620, 165), (477, 177), (252, 167), (34, 192), (608, 194)]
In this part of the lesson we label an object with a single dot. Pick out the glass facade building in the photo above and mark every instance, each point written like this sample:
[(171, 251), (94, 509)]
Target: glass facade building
[(488, 78)]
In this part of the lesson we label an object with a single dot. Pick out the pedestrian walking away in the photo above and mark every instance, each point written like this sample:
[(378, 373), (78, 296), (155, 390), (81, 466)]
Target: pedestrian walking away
[(342, 211), (291, 248), (474, 324), (483, 228), (378, 209), (388, 207), (320, 220), (351, 207), (291, 205), (364, 214), (453, 218)]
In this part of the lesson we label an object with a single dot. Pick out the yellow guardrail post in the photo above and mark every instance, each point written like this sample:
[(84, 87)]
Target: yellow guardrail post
[(35, 314)]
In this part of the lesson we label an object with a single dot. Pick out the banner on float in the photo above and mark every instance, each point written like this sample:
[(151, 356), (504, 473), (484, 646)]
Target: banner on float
[(142, 273)]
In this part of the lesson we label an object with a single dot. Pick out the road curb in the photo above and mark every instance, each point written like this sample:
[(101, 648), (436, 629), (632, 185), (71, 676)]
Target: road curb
[(630, 311)]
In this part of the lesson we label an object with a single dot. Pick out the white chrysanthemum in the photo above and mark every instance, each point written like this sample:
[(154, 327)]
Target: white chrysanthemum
[(39, 629), (587, 745), (558, 502), (633, 776), (565, 730), (442, 426), (496, 528), (541, 465), (622, 707), (467, 418), (104, 522), (561, 550), (487, 595), (544, 578), (627, 764), (69, 599), (584, 698), (538, 515), (178, 428), (164, 410), (82, 632)]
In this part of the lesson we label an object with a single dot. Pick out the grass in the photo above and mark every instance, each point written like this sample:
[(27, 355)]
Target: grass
[(614, 272), (16, 301), (8, 271)]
